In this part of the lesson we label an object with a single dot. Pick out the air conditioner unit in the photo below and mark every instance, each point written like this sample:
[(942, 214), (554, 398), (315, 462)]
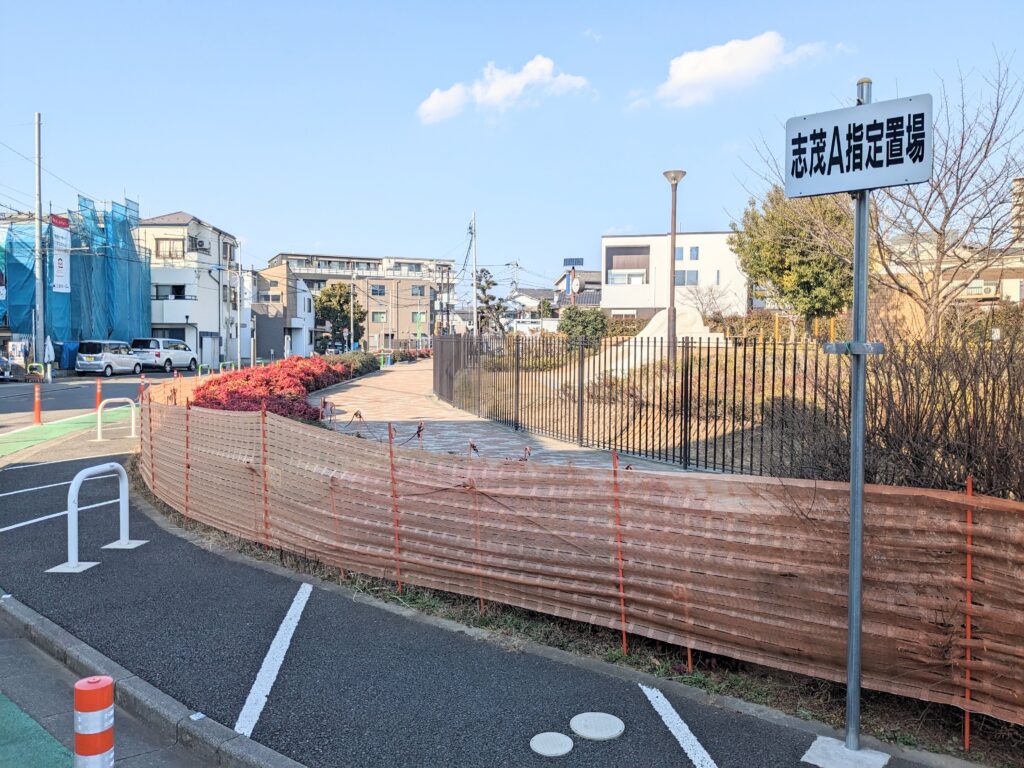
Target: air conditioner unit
[(202, 243), (988, 290)]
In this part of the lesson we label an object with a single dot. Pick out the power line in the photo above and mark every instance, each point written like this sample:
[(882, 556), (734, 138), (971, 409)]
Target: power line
[(44, 168)]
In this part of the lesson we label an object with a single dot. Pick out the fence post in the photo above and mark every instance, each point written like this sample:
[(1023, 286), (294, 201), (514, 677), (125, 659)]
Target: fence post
[(618, 550), (686, 403), (394, 506), (188, 413), (266, 494), (515, 385), (152, 466), (969, 618), (579, 396)]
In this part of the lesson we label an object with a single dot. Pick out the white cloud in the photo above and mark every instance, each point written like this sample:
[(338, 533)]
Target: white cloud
[(591, 34), (623, 230), (500, 89), (696, 77)]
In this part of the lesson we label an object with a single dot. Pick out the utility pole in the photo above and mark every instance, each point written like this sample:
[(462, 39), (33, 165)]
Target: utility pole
[(674, 177), (476, 317), (39, 316), (351, 311)]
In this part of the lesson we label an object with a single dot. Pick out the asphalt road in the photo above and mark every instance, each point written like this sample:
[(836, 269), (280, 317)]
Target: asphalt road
[(63, 398), (359, 685)]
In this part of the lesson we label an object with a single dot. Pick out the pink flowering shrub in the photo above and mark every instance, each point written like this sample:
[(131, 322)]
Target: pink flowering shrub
[(281, 387)]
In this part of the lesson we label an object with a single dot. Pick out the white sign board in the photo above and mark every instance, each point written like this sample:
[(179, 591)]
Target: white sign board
[(61, 260), (846, 150)]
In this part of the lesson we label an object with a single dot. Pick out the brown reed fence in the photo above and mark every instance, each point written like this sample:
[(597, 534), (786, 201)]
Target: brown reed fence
[(746, 566)]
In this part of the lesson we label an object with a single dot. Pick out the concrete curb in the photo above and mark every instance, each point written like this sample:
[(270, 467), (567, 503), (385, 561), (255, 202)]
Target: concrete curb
[(206, 739)]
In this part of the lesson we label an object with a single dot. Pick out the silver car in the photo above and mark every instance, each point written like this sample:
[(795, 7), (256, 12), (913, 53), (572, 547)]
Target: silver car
[(106, 357), (167, 354)]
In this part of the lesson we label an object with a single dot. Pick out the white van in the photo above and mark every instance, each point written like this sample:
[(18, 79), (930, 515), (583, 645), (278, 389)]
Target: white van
[(106, 357), (164, 353)]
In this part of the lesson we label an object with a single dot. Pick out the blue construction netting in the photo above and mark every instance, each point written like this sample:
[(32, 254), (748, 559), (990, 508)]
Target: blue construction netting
[(110, 285)]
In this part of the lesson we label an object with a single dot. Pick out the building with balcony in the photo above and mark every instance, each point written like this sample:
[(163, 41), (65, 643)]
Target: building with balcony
[(195, 280), (283, 314), (705, 272), (404, 298)]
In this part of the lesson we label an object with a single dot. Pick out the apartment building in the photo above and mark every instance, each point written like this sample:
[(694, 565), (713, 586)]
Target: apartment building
[(403, 297), (283, 314), (635, 274), (194, 272)]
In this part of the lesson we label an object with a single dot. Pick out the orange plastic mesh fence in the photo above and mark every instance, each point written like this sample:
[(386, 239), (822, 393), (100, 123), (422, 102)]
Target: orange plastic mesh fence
[(750, 567)]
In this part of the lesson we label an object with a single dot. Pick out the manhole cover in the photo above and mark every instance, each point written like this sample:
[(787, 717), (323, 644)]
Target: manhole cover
[(551, 744), (597, 726)]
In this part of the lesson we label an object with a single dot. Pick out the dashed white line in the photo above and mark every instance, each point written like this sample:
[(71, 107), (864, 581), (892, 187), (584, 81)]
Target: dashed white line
[(57, 514), (260, 692), (51, 485), (693, 749)]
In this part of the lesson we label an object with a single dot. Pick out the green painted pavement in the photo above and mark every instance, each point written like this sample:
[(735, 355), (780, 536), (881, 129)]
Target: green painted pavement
[(27, 437), (25, 744)]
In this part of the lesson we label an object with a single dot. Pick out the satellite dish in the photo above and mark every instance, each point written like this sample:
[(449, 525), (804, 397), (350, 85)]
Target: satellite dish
[(576, 285)]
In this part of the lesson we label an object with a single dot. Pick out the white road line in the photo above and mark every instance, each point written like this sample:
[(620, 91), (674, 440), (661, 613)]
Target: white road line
[(257, 698), (56, 461), (51, 485), (693, 749), (56, 514)]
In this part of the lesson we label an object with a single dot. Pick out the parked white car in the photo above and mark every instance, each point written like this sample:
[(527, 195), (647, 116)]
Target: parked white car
[(164, 353), (107, 357)]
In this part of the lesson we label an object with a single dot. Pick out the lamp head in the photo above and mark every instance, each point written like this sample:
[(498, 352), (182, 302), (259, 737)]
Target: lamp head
[(674, 177)]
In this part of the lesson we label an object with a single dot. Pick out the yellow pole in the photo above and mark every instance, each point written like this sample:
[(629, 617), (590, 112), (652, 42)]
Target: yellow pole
[(776, 329), (815, 327), (832, 329)]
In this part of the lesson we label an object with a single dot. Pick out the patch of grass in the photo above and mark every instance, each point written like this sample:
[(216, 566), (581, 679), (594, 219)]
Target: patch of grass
[(893, 719)]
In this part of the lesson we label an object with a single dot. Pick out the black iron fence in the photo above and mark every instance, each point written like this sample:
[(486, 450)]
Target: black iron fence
[(714, 404)]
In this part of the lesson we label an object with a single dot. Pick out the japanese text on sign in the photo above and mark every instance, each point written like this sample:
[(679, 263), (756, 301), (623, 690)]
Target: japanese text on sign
[(865, 147)]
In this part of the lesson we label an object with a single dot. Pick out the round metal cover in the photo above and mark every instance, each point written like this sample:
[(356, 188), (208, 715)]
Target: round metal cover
[(597, 726), (551, 744)]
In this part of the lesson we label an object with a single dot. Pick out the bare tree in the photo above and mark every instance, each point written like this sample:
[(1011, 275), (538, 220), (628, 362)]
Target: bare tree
[(709, 300), (929, 241)]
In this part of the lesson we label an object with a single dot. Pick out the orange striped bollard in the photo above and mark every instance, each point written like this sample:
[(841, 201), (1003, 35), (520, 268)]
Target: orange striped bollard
[(37, 408), (99, 393), (94, 722)]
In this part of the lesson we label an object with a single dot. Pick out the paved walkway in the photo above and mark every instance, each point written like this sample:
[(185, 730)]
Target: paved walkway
[(403, 394)]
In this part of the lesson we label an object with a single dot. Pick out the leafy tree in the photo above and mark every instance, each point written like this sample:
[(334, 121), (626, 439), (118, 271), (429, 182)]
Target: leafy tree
[(490, 308), (778, 253), (579, 324), (544, 309), (332, 305)]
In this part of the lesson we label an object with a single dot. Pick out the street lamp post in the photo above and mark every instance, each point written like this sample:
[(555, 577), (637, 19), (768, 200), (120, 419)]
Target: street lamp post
[(674, 177)]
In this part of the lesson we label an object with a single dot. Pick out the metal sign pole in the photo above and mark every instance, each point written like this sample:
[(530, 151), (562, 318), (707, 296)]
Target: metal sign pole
[(858, 382)]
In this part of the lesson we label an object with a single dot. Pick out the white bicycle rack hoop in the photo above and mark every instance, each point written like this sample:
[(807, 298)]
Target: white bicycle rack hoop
[(123, 542), (104, 404)]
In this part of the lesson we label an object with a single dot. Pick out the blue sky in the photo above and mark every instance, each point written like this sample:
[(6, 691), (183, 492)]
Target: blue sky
[(310, 126)]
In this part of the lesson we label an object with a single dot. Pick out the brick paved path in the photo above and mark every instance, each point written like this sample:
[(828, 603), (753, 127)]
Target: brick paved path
[(403, 395)]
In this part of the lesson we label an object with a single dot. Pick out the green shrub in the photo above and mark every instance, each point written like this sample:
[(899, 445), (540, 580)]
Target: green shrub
[(360, 362), (586, 324)]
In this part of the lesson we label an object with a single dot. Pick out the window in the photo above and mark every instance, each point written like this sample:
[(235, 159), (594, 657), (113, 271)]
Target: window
[(413, 267), (679, 252), (419, 317), (145, 344), (379, 317), (377, 289), (309, 304), (169, 291), (170, 249), (627, 277), (694, 252), (272, 283), (419, 290), (311, 337), (686, 277), (193, 243), (270, 298), (227, 251)]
